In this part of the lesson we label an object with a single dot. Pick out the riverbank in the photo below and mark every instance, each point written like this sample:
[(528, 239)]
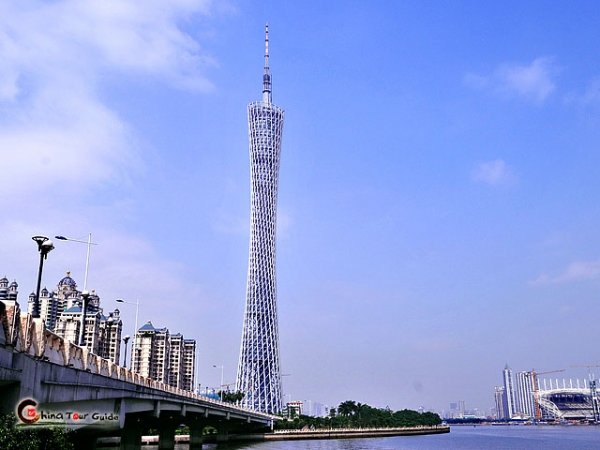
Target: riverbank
[(292, 435), (348, 433)]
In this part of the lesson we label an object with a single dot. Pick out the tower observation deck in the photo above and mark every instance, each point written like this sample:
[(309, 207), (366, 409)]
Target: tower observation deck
[(259, 375)]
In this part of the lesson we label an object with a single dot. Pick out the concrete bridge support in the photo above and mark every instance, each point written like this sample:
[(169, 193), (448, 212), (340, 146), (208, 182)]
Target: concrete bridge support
[(223, 428), (86, 441), (166, 433), (196, 438), (196, 426), (131, 435)]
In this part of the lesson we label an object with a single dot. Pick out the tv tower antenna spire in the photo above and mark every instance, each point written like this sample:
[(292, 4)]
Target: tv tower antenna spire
[(267, 72)]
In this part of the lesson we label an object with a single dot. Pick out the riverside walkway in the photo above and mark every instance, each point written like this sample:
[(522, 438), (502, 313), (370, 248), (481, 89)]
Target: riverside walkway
[(346, 433)]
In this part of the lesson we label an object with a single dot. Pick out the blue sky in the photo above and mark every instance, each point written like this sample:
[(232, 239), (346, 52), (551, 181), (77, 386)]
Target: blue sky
[(439, 174)]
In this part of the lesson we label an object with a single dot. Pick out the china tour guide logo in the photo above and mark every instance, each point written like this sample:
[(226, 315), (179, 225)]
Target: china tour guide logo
[(27, 412), (72, 415)]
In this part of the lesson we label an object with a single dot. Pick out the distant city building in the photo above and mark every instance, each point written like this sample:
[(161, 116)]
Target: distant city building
[(167, 358), (294, 409), (8, 291), (182, 362), (457, 410), (314, 409), (176, 359), (524, 395), (188, 378), (453, 412), (509, 398), (111, 328), (53, 304), (8, 296), (68, 327), (461, 408), (61, 311), (151, 352), (500, 401)]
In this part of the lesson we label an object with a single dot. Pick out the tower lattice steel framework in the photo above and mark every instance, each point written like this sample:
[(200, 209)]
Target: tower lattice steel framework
[(259, 375)]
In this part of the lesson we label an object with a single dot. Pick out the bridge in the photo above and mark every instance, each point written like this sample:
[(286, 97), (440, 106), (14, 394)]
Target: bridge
[(50, 381)]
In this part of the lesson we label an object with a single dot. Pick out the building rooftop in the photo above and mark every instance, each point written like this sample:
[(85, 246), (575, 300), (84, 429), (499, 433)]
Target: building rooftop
[(68, 281), (147, 327)]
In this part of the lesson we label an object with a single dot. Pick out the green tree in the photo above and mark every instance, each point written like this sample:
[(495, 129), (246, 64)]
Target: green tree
[(347, 408), (361, 415), (12, 438), (231, 397)]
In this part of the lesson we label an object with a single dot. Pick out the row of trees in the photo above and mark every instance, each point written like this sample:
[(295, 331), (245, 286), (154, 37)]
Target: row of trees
[(230, 396), (350, 414)]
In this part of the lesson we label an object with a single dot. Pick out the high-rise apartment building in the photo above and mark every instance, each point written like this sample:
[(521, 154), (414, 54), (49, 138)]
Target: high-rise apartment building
[(8, 291), (165, 357), (182, 362), (53, 304), (68, 327), (509, 397), (188, 378), (176, 359), (8, 296), (111, 328), (524, 394), (259, 375), (500, 401), (151, 352), (61, 311)]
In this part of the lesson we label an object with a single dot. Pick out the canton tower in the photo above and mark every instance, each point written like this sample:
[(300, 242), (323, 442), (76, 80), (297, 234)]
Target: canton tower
[(259, 375)]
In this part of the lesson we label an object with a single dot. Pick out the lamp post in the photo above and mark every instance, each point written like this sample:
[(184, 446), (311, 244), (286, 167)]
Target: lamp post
[(137, 310), (285, 375), (45, 246), (87, 257), (85, 298), (220, 367), (125, 340)]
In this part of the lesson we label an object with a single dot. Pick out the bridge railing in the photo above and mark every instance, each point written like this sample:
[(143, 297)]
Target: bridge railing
[(30, 336)]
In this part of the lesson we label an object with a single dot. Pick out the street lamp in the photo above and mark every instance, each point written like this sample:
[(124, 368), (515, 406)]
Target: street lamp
[(87, 258), (137, 310), (85, 297), (45, 246), (281, 377), (220, 367), (125, 340)]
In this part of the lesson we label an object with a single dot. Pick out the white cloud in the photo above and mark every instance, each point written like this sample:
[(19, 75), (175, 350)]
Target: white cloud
[(534, 81), (60, 140), (121, 266), (54, 54), (576, 271), (493, 173)]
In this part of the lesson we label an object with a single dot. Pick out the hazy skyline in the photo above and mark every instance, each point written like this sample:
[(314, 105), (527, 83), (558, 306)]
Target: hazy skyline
[(438, 174)]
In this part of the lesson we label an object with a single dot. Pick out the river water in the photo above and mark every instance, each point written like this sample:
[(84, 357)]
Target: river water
[(459, 438)]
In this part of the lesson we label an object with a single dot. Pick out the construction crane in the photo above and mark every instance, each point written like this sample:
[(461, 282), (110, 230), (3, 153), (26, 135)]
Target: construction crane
[(536, 388), (593, 390)]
